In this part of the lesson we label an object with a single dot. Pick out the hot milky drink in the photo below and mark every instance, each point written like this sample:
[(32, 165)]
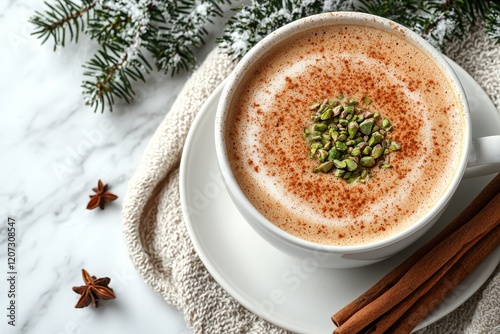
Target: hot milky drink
[(269, 157)]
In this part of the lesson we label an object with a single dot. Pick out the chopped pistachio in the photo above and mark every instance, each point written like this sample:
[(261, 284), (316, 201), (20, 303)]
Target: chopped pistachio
[(377, 151), (394, 146), (366, 126), (334, 154), (322, 108), (351, 179), (315, 106), (320, 127), (367, 161), (322, 154), (339, 164), (367, 150), (352, 129), (356, 152), (315, 146), (351, 165), (340, 146), (339, 172), (325, 167), (375, 138), (362, 144), (316, 138), (334, 135), (386, 123), (368, 114), (333, 103), (327, 114), (350, 142), (349, 109), (337, 110)]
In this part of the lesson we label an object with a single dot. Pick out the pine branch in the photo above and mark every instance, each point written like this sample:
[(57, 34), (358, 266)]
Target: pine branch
[(120, 27), (174, 42), (409, 13), (435, 20), (170, 30), (63, 14), (113, 70), (493, 22), (253, 22)]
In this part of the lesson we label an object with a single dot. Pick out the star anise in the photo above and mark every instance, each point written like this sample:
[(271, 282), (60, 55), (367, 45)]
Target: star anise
[(101, 197), (93, 290)]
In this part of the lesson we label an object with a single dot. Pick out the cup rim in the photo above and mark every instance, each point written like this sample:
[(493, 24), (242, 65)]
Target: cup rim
[(300, 26)]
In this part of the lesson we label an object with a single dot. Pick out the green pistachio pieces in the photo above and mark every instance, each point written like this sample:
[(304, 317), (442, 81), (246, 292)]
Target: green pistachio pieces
[(356, 152), (342, 137), (394, 146), (339, 172), (352, 129), (367, 161), (322, 155), (315, 146), (334, 154), (366, 126), (377, 151), (347, 140), (339, 164), (340, 146), (351, 165), (327, 114), (325, 167), (320, 127), (375, 138), (386, 123)]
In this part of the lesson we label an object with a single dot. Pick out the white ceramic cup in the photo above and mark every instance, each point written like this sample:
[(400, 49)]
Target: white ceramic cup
[(480, 156)]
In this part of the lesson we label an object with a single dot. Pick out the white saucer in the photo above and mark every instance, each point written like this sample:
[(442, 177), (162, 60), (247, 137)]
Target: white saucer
[(285, 291)]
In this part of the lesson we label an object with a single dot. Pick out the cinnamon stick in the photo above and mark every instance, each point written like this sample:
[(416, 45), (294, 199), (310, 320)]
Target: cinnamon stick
[(453, 277), (485, 221), (484, 197), (382, 324)]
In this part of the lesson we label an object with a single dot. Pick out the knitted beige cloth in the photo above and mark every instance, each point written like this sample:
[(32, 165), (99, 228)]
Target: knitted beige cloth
[(161, 249)]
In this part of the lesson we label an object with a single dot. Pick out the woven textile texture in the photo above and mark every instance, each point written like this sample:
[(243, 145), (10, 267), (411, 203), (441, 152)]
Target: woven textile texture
[(161, 249)]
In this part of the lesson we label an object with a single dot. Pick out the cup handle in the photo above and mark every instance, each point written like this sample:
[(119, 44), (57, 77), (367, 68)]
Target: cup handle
[(484, 156)]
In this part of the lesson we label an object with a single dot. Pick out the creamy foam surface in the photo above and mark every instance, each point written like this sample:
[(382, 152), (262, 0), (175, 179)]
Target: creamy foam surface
[(269, 157)]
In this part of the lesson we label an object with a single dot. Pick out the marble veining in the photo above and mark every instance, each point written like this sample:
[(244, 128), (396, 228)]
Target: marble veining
[(54, 149)]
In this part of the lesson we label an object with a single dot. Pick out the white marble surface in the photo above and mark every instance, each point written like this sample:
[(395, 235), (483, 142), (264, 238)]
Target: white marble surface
[(54, 149)]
